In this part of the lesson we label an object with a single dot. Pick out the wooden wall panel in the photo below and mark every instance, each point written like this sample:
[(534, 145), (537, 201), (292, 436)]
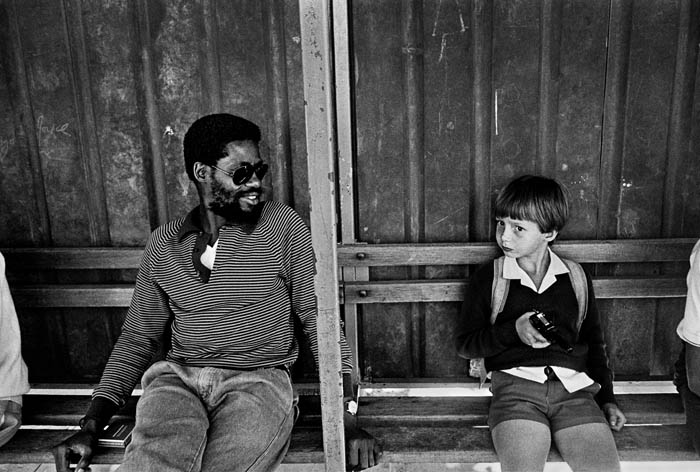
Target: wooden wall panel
[(581, 82), (298, 180), (57, 127), (177, 31), (448, 84), (382, 161), (651, 64), (516, 43), (451, 99), (447, 130), (109, 29)]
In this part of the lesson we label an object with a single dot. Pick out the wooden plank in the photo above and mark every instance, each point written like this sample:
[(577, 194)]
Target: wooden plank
[(681, 115), (346, 155), (442, 442), (482, 91), (158, 194), (35, 446), (584, 32), (414, 170), (639, 409), (212, 71), (113, 65), (360, 292), (85, 296), (616, 75), (439, 443), (276, 65), (606, 251), (367, 255), (319, 111), (401, 291), (550, 36), (40, 225), (60, 258), (88, 146)]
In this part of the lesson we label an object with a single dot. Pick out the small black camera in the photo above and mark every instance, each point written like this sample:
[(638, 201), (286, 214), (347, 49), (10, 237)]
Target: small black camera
[(547, 329)]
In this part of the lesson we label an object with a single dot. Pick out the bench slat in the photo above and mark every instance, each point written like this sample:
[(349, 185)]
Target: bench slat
[(605, 251), (393, 291), (399, 291), (412, 443), (587, 251), (75, 296), (34, 446), (60, 258), (450, 444)]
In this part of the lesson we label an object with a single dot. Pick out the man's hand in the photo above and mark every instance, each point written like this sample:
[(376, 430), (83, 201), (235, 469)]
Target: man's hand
[(361, 448), (82, 443), (614, 415)]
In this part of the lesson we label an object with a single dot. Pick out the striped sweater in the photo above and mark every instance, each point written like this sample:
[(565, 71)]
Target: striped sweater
[(239, 315)]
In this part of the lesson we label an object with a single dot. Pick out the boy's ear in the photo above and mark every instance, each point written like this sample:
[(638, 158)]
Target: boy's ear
[(551, 235)]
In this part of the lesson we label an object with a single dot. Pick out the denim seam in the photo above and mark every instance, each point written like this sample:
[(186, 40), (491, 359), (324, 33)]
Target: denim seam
[(200, 451), (266, 452)]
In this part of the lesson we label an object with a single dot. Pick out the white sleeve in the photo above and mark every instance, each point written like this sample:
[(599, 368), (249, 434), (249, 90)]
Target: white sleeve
[(689, 327)]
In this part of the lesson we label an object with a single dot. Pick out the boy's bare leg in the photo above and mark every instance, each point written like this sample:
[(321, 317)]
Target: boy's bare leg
[(521, 445), (588, 447)]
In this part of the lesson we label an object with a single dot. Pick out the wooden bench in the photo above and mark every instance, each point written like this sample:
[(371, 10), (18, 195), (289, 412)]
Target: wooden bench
[(445, 422), (51, 410), (422, 421)]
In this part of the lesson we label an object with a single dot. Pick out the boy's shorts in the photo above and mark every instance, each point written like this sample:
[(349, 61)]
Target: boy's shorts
[(549, 403)]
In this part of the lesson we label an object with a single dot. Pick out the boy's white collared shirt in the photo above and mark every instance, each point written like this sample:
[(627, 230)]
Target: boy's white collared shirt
[(689, 327), (571, 379)]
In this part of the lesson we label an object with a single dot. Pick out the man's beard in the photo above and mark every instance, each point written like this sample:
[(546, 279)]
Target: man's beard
[(227, 204)]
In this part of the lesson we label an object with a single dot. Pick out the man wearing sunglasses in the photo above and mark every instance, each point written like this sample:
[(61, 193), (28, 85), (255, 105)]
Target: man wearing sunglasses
[(228, 282)]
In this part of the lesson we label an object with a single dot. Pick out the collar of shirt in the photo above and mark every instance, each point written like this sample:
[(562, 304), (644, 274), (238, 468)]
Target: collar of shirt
[(191, 224), (511, 270)]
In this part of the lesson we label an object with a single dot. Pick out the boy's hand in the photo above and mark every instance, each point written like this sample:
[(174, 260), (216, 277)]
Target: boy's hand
[(528, 334), (614, 415)]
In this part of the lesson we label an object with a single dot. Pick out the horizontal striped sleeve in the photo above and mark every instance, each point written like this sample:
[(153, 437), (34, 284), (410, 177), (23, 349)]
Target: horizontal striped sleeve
[(302, 269), (142, 332)]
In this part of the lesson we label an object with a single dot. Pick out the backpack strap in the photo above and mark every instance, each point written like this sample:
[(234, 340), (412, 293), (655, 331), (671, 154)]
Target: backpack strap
[(580, 285), (499, 289), (499, 293)]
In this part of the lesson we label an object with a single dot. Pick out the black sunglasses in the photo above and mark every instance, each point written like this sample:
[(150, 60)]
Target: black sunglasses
[(242, 174)]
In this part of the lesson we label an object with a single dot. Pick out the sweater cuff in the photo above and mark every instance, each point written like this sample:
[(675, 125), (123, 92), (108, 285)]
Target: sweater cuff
[(605, 395), (101, 410)]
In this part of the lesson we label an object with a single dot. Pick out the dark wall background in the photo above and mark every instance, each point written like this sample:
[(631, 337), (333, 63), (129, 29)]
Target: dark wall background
[(452, 98)]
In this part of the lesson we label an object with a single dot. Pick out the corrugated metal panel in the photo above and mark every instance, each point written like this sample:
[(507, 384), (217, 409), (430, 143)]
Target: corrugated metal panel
[(449, 101)]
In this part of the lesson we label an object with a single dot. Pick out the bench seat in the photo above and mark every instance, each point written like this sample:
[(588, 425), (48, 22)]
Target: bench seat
[(410, 429)]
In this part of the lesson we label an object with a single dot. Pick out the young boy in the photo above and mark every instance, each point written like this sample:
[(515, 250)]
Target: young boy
[(542, 390)]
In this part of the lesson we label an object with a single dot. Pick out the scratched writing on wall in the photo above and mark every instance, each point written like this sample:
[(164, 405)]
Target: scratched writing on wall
[(45, 131)]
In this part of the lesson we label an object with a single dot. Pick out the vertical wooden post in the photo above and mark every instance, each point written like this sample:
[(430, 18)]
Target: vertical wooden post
[(320, 144), (346, 153)]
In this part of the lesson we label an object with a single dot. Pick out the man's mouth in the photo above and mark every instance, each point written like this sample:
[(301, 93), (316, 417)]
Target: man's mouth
[(251, 198)]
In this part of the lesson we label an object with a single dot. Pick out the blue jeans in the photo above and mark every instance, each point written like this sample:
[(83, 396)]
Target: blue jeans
[(208, 419)]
